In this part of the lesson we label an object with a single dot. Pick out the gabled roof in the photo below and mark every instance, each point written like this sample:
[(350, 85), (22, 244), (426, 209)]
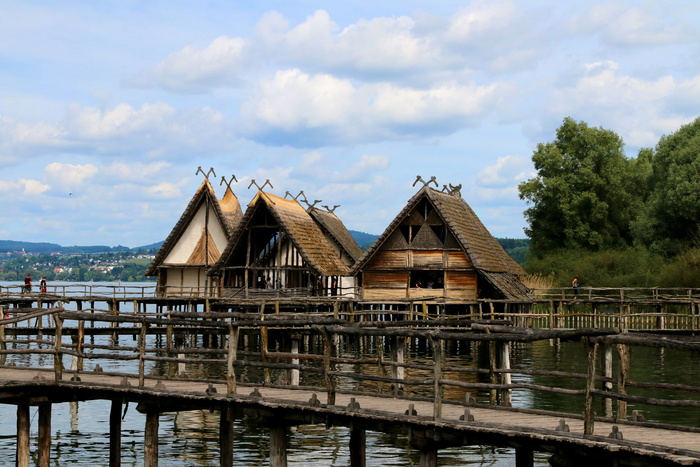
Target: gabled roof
[(337, 230), (300, 228), (483, 251), (228, 211)]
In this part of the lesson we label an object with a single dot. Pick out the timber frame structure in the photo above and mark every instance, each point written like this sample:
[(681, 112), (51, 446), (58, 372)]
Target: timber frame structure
[(281, 249), (437, 250), (195, 243)]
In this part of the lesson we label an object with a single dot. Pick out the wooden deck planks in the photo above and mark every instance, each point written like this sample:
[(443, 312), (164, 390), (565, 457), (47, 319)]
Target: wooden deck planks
[(505, 420)]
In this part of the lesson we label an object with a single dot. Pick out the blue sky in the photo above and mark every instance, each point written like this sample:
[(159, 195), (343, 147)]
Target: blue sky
[(108, 108)]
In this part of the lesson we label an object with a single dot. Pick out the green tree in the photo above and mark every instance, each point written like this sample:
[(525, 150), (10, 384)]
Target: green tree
[(670, 221), (585, 193)]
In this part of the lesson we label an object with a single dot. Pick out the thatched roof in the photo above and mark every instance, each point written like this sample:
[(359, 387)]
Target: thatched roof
[(300, 228), (484, 252), (228, 212), (331, 224)]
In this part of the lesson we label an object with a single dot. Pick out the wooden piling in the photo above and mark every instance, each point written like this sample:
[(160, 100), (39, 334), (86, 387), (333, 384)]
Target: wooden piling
[(44, 441), (226, 437), (278, 445), (115, 434), (524, 457), (150, 441), (358, 447), (589, 412), (22, 449), (233, 332)]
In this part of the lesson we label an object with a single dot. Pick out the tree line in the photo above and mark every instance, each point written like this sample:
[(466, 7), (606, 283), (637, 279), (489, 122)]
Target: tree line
[(611, 219)]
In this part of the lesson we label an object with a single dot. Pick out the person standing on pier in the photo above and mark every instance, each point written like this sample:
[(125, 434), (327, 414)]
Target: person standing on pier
[(42, 285), (28, 283), (574, 284)]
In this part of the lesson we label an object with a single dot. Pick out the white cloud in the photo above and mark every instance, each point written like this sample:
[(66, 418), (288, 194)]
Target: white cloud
[(196, 70), (633, 107), (17, 190), (68, 177), (506, 173), (164, 190), (322, 109), (153, 130), (123, 171)]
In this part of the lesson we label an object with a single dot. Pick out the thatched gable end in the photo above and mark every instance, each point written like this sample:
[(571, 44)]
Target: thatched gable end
[(437, 248), (279, 243)]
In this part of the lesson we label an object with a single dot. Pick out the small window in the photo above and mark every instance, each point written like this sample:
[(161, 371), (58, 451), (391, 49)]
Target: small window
[(427, 279)]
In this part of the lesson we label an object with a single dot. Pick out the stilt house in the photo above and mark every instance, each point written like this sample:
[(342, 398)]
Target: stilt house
[(195, 243), (437, 249), (281, 249)]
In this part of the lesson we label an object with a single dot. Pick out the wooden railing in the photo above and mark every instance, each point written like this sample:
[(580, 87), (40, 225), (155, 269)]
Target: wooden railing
[(123, 291), (326, 354)]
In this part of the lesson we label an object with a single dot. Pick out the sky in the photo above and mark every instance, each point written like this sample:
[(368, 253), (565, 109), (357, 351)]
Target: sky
[(109, 109)]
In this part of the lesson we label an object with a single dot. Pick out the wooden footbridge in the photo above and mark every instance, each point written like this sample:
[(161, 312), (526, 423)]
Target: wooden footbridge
[(341, 369)]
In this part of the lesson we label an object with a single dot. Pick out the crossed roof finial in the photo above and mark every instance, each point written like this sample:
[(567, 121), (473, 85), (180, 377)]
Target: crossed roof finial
[(420, 179), (206, 174), (335, 206), (453, 189), (260, 188), (229, 181), (295, 198), (310, 205)]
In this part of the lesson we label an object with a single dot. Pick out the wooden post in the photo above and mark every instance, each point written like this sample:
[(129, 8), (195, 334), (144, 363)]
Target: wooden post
[(22, 448), (606, 359), (623, 371), (226, 437), (438, 346), (80, 345), (172, 366), (3, 345), (142, 354), (428, 457), (278, 446), (44, 448), (358, 447), (589, 412), (58, 356), (294, 372), (493, 394), (115, 434), (504, 364), (398, 355), (150, 441), (524, 457), (232, 355), (329, 380)]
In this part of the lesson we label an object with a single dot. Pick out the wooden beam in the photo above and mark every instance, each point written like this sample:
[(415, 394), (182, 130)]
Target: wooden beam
[(22, 448), (226, 437), (278, 446), (150, 442), (115, 434), (358, 447), (524, 457), (44, 448)]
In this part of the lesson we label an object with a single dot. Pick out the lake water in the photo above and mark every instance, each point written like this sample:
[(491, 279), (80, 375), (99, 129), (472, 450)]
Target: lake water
[(81, 430)]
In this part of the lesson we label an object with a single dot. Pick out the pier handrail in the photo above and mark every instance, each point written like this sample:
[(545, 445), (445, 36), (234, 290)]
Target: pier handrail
[(327, 368)]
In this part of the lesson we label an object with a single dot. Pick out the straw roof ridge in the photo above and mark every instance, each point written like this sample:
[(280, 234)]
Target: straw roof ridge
[(387, 232), (482, 249), (336, 229), (204, 191), (295, 222)]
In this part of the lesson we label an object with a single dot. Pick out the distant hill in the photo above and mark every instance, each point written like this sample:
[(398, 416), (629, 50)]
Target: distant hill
[(363, 239), (42, 248), (517, 248)]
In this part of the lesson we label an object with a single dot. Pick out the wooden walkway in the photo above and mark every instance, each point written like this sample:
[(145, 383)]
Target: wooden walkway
[(521, 429)]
